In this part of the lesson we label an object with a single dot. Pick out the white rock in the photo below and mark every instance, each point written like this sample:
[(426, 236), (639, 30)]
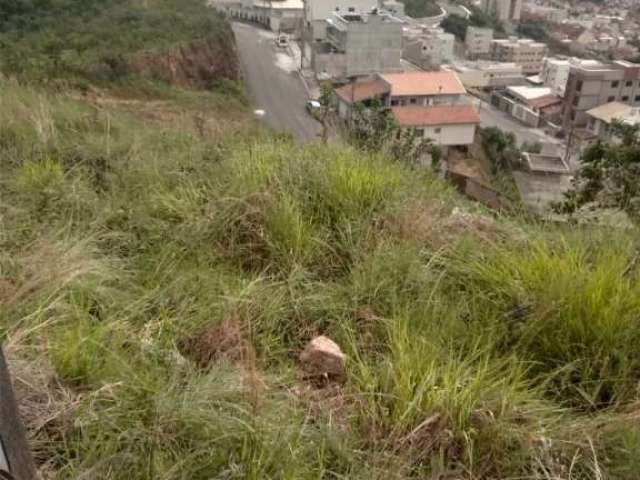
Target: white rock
[(322, 357)]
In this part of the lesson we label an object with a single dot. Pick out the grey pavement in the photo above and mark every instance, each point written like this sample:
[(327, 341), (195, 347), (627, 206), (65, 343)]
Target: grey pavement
[(273, 82), (492, 117)]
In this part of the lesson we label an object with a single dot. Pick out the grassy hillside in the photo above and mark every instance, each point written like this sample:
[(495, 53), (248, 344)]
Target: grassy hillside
[(156, 287), (83, 43)]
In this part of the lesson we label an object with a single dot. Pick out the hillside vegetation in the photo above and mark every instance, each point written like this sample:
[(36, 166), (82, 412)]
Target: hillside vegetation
[(108, 43), (157, 287), (164, 260)]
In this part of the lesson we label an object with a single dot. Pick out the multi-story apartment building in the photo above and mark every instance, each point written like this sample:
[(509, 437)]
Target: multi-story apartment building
[(427, 47), (478, 42), (317, 12), (503, 10), (555, 72), (359, 44), (522, 51), (546, 13), (592, 85)]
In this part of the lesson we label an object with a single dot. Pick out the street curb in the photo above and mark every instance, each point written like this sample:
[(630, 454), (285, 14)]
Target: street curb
[(299, 70)]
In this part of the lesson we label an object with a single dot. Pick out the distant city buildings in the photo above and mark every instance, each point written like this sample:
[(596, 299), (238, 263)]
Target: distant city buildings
[(545, 13), (477, 42), (503, 10), (522, 51)]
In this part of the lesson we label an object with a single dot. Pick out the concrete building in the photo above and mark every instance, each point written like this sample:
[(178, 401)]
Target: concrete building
[(549, 14), (555, 71), (433, 103), (427, 47), (590, 86), (533, 106), (503, 10), (317, 12), (359, 45), (277, 15), (477, 42), (488, 75), (601, 118), (523, 51), (280, 15)]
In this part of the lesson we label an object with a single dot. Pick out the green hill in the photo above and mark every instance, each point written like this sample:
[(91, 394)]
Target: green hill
[(159, 278)]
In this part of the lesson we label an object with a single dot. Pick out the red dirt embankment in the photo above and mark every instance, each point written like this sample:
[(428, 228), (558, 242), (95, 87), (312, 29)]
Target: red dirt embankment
[(202, 64)]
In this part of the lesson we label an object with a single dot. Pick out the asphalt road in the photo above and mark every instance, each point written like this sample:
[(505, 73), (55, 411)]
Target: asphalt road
[(274, 85)]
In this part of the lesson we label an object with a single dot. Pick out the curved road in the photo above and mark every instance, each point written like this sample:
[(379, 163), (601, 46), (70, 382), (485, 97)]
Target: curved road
[(274, 85)]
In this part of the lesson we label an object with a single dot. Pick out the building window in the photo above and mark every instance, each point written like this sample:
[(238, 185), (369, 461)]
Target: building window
[(437, 130), (615, 84), (419, 132), (629, 83), (394, 103), (412, 101), (625, 98), (637, 99), (611, 99)]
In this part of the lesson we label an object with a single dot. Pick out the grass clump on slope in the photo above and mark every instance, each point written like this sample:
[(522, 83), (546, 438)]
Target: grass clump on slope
[(168, 281)]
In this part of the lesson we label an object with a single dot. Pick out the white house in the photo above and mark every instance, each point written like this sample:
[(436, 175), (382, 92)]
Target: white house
[(446, 125), (432, 103)]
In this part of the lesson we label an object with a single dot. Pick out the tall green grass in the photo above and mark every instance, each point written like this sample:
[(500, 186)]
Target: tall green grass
[(476, 349)]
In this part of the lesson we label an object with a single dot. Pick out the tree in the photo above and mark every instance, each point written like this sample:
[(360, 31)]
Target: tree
[(372, 128), (501, 146), (531, 147), (324, 117), (534, 30), (421, 8), (610, 174), (456, 25)]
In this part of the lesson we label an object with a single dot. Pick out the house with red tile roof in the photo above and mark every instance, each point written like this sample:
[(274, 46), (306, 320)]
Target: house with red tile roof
[(432, 103)]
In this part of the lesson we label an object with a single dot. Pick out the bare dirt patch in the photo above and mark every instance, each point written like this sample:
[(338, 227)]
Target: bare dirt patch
[(214, 343)]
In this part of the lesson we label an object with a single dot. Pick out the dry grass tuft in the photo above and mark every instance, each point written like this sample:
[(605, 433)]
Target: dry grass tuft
[(46, 265), (47, 407)]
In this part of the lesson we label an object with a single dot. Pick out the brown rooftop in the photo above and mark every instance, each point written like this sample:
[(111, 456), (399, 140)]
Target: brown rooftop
[(545, 101), (359, 91), (417, 116)]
